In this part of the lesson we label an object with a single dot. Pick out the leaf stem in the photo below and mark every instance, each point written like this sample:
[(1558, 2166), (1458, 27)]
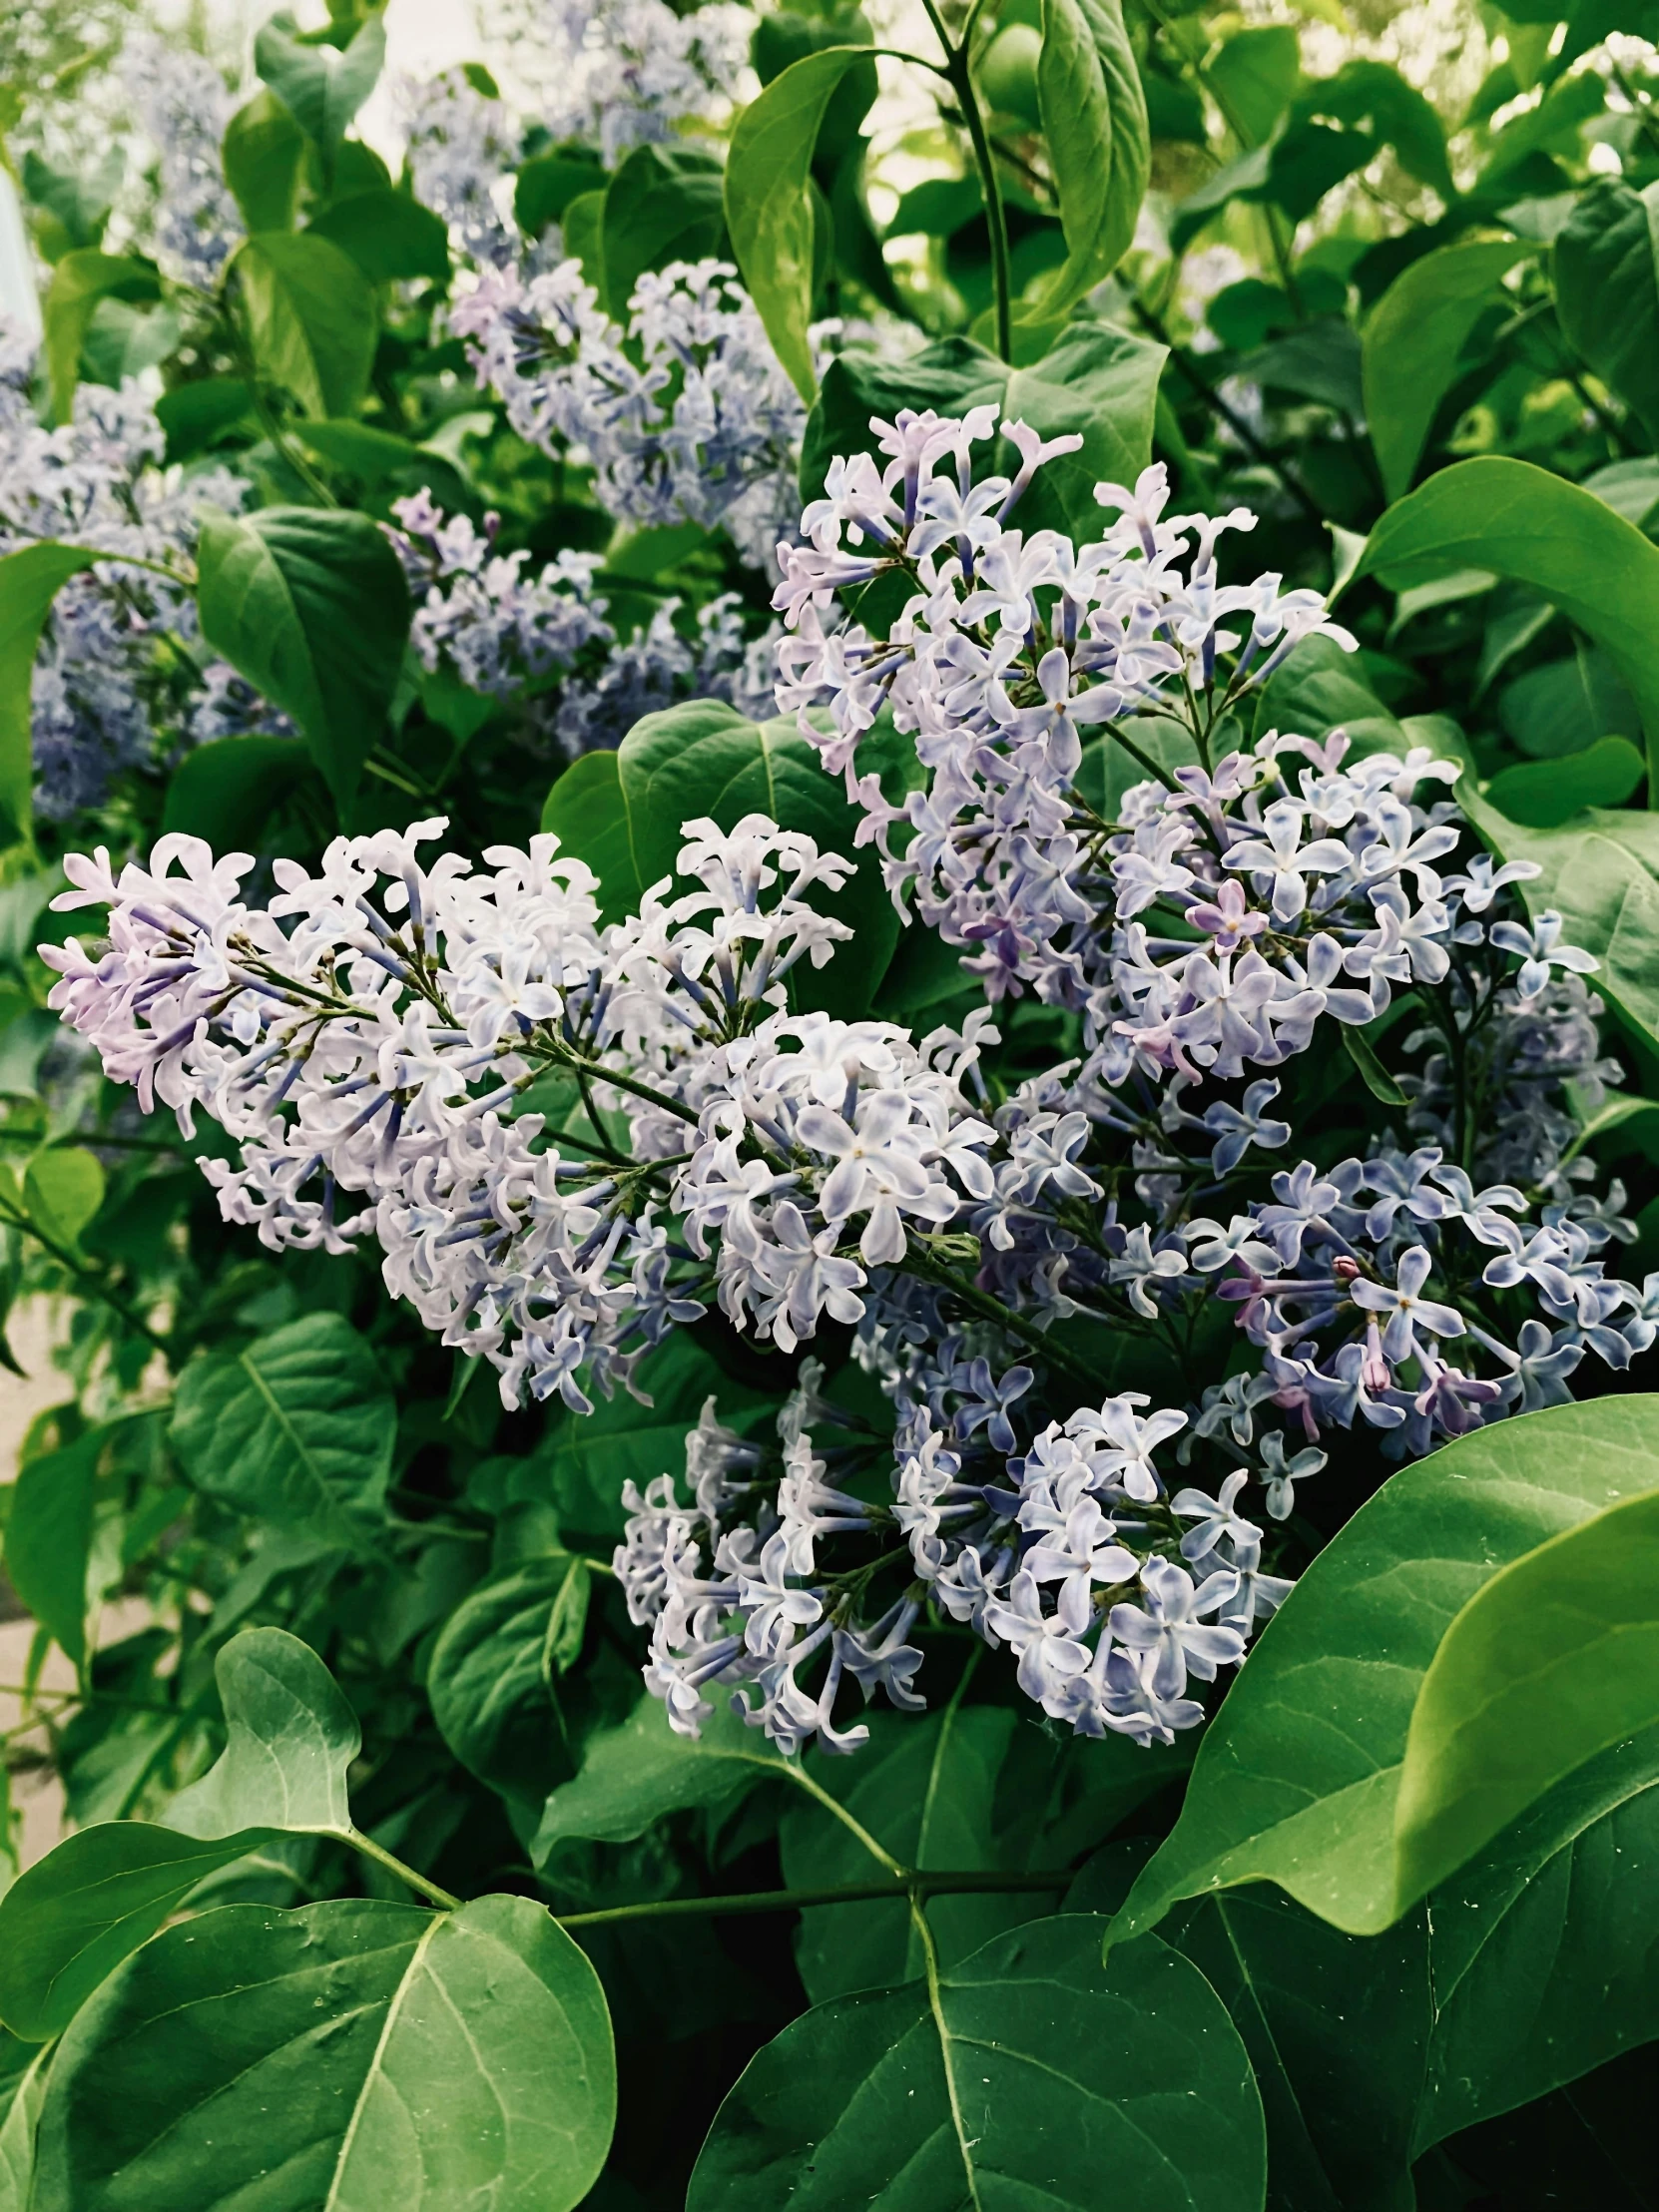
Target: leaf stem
[(912, 1885), (421, 1884), (960, 80)]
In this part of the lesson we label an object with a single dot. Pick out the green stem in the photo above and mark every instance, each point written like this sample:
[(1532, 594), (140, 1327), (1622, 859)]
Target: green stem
[(960, 80), (930, 1960), (832, 1805), (421, 1884), (915, 1886), (89, 1278), (919, 1262)]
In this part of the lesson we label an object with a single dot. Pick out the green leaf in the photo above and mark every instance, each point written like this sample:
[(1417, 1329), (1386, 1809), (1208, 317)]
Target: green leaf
[(1254, 78), (69, 211), (1545, 794), (1374, 1074), (357, 448), (1094, 121), (264, 161), (63, 1189), (79, 283), (1556, 1658), (17, 2138), (296, 1429), (769, 214), (30, 578), (386, 233), (321, 89), (1526, 1970), (1415, 341), (1096, 381), (289, 1738), (1631, 488), (704, 759), (196, 416), (1298, 1775), (1607, 291), (1034, 2076), (664, 204), (583, 227), (311, 317), (966, 1789), (1564, 706), (489, 1687), (547, 184), (1398, 113), (1524, 523), (353, 2053), (228, 789), (1601, 875), (634, 1774), (68, 1921), (314, 609), (49, 1538)]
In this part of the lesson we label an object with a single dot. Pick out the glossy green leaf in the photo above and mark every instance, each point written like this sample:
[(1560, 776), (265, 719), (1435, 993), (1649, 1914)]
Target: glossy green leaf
[(704, 759), (1298, 1778), (195, 417), (69, 1919), (357, 448), (1397, 113), (966, 1789), (79, 283), (228, 789), (289, 1738), (353, 2054), (1545, 794), (1034, 2075), (634, 1774), (1564, 706), (1415, 341), (1600, 872), (310, 316), (1554, 1660), (63, 1189), (296, 1429), (768, 215), (49, 1538), (264, 163), (17, 2138), (1526, 1970), (314, 609), (1096, 381), (1253, 77), (664, 204), (386, 233), (1606, 271), (322, 87), (1094, 121), (1524, 523), (488, 1680), (30, 578), (1373, 1073), (548, 183)]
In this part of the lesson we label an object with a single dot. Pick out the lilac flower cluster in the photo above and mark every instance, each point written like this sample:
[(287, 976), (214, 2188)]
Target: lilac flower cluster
[(121, 655), (569, 1139), (182, 105), (512, 636), (620, 73), (686, 416)]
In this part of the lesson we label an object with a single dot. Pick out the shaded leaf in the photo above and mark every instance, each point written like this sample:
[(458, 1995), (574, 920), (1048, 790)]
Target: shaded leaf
[(30, 578), (1415, 341), (488, 1684), (310, 317)]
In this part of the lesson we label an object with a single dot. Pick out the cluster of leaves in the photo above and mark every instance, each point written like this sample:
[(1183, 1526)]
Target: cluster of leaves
[(1397, 1927)]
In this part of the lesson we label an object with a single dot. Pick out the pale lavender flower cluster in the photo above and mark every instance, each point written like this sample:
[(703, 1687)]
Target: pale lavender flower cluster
[(704, 427), (621, 72), (120, 654), (459, 145), (182, 105), (512, 636)]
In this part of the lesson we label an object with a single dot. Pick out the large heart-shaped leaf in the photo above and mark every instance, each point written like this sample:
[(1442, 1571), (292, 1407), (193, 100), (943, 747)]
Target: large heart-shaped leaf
[(1520, 522), (314, 609), (1096, 381), (704, 759), (322, 87), (1030, 2075), (296, 1428), (1297, 1780), (1529, 1969), (291, 1736), (353, 2054)]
